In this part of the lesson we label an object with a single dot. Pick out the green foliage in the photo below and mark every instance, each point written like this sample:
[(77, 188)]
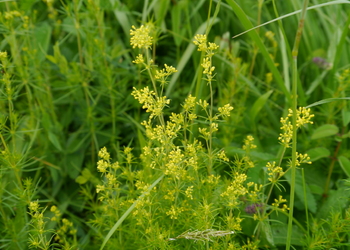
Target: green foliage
[(82, 165)]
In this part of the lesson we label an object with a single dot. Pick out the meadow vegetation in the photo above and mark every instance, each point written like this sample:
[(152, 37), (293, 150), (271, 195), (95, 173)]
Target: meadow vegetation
[(152, 124)]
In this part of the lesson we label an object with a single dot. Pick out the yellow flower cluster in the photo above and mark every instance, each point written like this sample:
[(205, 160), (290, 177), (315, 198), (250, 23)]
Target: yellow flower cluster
[(57, 213), (208, 48), (274, 172), (235, 190), (189, 104), (65, 229), (212, 179), (139, 59), (248, 143), (303, 117), (104, 154), (3, 55), (234, 223), (140, 37), (225, 110), (174, 212), (271, 37), (150, 101), (11, 14), (278, 202), (162, 75), (174, 167), (301, 158), (222, 156)]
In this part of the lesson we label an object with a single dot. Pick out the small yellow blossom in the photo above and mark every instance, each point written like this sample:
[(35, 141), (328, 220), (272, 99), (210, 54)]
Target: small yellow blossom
[(102, 166), (174, 212), (274, 172), (280, 201), (104, 154), (204, 133), (190, 103), (150, 101), (268, 77), (34, 206), (3, 55), (301, 158), (204, 104), (189, 192), (221, 155), (201, 42), (225, 110), (248, 143), (140, 37), (162, 75), (99, 188), (139, 59)]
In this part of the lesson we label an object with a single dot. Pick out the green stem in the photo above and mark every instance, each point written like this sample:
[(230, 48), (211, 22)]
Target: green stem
[(294, 121)]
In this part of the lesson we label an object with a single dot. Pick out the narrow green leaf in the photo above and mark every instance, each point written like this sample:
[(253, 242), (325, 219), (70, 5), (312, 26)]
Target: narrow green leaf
[(41, 36), (160, 10), (324, 131), (176, 17), (327, 101), (255, 37), (345, 164), (259, 104), (316, 82)]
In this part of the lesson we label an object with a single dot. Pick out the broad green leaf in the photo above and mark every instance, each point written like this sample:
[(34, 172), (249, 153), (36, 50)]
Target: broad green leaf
[(345, 164), (324, 131), (347, 135), (259, 104), (267, 237), (84, 177), (346, 117), (81, 179), (279, 231), (336, 201), (318, 153)]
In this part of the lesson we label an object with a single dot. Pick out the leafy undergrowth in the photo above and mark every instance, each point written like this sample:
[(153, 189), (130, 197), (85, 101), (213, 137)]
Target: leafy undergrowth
[(145, 125)]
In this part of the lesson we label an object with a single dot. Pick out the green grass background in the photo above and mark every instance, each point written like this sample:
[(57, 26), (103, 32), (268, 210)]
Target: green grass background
[(71, 74)]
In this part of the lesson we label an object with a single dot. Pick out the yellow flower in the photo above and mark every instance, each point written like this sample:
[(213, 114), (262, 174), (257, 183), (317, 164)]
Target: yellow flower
[(139, 59), (140, 37)]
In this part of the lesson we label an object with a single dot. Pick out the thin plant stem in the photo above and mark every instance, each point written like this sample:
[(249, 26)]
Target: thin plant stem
[(294, 121), (330, 171)]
